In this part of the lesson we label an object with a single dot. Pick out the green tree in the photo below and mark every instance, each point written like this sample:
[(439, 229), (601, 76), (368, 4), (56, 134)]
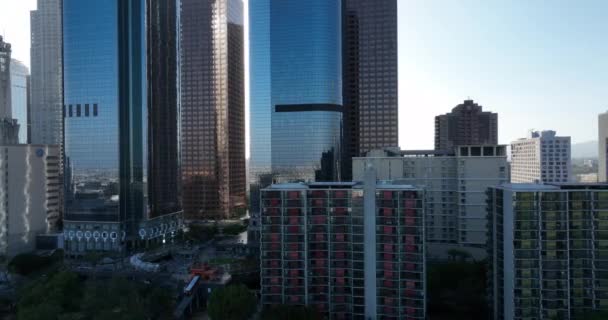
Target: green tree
[(234, 302), (27, 263), (48, 299)]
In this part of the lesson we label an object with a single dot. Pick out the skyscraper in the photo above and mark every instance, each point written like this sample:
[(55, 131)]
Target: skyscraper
[(19, 97), (121, 145), (370, 84), (9, 128), (213, 107), (46, 69), (296, 91), (541, 157), (467, 124), (602, 142)]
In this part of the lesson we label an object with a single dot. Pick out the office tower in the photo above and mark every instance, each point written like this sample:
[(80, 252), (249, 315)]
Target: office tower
[(455, 183), (9, 128), (19, 97), (602, 141), (213, 108), (467, 124), (120, 113), (542, 157), (370, 85), (29, 195), (349, 250), (46, 67), (547, 250), (296, 92)]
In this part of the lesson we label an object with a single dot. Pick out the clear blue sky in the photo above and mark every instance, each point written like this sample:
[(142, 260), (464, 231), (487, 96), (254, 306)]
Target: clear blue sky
[(540, 64)]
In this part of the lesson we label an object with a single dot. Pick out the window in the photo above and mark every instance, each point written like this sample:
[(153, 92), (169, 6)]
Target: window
[(86, 110), (78, 110), (95, 110), (70, 110)]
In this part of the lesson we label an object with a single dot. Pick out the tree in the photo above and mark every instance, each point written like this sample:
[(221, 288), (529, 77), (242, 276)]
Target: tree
[(48, 299), (234, 302), (289, 312), (27, 263)]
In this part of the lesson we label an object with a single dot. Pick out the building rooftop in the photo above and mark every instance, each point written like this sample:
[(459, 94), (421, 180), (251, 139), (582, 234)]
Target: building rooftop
[(340, 185), (552, 186)]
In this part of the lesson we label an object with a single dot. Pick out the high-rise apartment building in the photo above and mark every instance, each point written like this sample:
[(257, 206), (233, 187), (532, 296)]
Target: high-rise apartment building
[(370, 84), (46, 68), (602, 142), (548, 250), (121, 145), (467, 124), (542, 157), (9, 128), (349, 250), (29, 195), (455, 186), (19, 97), (296, 92), (212, 108)]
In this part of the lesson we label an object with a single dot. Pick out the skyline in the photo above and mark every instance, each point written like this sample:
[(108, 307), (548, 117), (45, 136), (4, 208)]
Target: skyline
[(514, 59)]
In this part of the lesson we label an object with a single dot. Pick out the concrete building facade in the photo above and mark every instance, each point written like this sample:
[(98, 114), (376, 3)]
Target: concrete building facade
[(455, 185), (349, 250), (467, 124), (602, 142), (47, 72), (548, 250), (542, 157), (29, 195)]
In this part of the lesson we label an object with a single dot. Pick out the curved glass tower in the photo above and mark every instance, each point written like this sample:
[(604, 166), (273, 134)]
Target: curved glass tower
[(120, 115), (296, 91)]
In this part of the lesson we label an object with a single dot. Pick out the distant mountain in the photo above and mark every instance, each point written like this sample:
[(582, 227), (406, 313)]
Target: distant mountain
[(584, 150)]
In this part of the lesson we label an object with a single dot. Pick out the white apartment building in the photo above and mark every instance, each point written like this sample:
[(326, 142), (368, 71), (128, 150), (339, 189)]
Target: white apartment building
[(602, 142), (29, 195), (542, 157), (455, 185)]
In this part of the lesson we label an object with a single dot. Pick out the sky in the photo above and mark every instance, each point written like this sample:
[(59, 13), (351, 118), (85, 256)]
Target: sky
[(539, 64)]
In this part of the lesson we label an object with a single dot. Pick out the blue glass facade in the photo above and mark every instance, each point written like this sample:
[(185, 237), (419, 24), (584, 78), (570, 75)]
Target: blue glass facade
[(296, 91), (19, 97), (106, 85)]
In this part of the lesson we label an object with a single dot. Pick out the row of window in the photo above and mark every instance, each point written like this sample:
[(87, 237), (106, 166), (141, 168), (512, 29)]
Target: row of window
[(77, 110)]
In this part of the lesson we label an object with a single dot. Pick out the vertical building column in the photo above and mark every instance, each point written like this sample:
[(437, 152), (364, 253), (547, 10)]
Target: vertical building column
[(369, 235)]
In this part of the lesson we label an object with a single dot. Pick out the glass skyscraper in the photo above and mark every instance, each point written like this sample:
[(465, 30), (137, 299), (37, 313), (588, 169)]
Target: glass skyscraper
[(296, 91), (213, 108), (19, 97), (120, 115), (370, 89)]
